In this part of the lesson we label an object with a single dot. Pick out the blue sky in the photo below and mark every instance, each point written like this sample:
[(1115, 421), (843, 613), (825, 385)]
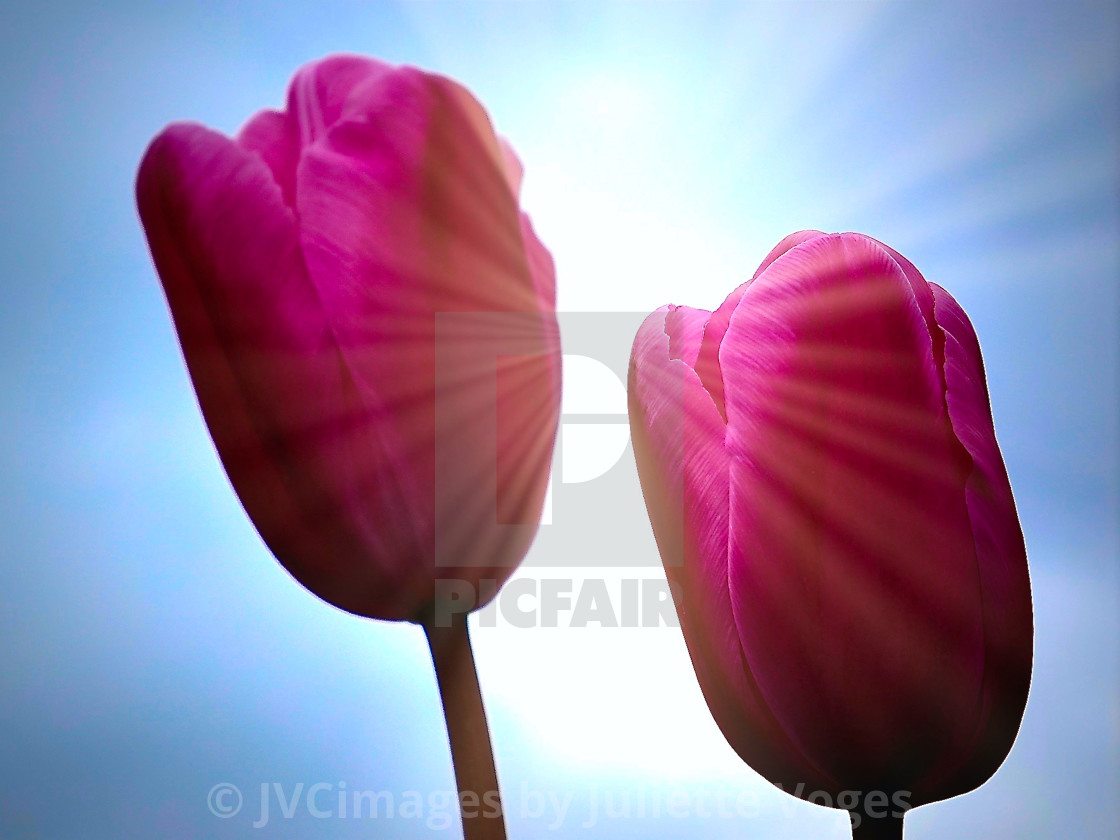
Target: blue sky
[(151, 646)]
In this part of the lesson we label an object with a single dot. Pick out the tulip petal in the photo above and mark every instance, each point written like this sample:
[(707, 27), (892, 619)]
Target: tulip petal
[(541, 266), (267, 372), (782, 248), (707, 364), (324, 92), (1001, 558), (511, 166), (852, 569), (685, 328), (923, 296), (406, 213), (678, 438), (272, 135)]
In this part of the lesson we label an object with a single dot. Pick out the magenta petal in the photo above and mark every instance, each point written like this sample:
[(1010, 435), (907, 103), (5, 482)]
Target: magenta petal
[(707, 364), (678, 442), (511, 166), (785, 246), (273, 136), (406, 213), (283, 412), (541, 266), (685, 328), (707, 358), (1000, 555), (323, 92), (923, 296), (852, 569)]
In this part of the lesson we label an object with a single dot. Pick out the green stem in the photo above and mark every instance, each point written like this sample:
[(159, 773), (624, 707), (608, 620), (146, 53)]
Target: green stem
[(471, 750)]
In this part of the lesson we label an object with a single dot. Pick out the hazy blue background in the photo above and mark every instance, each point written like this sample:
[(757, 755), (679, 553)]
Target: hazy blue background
[(152, 648)]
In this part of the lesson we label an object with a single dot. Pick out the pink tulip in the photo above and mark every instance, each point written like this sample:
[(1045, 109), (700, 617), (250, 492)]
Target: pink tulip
[(379, 445), (826, 490)]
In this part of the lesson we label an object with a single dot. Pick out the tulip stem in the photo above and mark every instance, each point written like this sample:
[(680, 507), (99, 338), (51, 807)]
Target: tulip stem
[(472, 754), (888, 827)]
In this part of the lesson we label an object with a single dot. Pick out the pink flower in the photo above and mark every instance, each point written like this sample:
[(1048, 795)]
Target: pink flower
[(377, 443), (823, 478)]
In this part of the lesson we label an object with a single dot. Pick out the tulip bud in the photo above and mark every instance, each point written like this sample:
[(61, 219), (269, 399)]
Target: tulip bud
[(822, 475), (368, 321)]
